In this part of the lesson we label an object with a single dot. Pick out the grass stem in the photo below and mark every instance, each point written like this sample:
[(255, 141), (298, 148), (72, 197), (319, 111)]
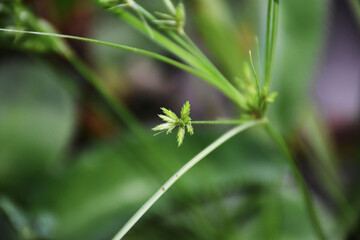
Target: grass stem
[(182, 47), (271, 40), (219, 82), (220, 122), (274, 34), (231, 133), (127, 48), (268, 43)]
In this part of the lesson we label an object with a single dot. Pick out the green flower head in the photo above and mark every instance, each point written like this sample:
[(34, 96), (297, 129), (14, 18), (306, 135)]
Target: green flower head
[(172, 121)]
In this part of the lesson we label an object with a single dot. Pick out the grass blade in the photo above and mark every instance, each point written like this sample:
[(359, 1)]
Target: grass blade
[(123, 47)]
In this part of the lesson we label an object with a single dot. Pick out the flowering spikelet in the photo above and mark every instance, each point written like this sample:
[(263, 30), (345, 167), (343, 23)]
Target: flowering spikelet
[(172, 121)]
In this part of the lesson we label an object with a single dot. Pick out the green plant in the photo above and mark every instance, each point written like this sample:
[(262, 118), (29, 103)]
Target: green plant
[(250, 92), (356, 8), (251, 98)]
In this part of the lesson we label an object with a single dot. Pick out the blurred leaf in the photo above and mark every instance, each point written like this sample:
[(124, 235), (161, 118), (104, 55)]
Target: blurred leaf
[(302, 26), (233, 194), (106, 182), (36, 120), (17, 16), (109, 182), (219, 32), (18, 219)]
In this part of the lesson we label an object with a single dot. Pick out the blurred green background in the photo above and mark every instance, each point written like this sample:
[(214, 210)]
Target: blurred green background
[(77, 155)]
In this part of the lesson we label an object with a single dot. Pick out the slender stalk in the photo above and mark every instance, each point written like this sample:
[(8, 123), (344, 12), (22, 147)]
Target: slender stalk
[(268, 43), (183, 40), (275, 26), (186, 50), (228, 89), (300, 181), (271, 39), (255, 74), (224, 122), (135, 218), (131, 49), (160, 39), (194, 49), (258, 59)]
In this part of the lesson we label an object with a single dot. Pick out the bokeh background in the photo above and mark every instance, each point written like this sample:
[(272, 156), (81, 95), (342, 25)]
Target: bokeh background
[(77, 155)]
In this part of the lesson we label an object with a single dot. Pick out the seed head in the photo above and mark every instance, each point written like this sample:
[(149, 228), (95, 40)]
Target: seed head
[(172, 121)]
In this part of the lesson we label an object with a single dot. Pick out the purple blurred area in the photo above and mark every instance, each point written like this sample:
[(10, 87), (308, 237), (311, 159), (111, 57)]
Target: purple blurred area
[(338, 79)]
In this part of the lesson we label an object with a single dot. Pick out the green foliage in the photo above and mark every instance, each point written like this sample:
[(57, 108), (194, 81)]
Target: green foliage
[(29, 143), (82, 213), (16, 16), (181, 46), (18, 218), (297, 60), (175, 20)]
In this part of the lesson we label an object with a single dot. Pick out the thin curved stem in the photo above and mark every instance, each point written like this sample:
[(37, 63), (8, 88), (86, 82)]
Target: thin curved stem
[(185, 50), (225, 87), (133, 220), (300, 181), (127, 48), (220, 122)]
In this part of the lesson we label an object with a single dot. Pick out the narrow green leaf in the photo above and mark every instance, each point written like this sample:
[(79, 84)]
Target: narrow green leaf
[(159, 57)]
